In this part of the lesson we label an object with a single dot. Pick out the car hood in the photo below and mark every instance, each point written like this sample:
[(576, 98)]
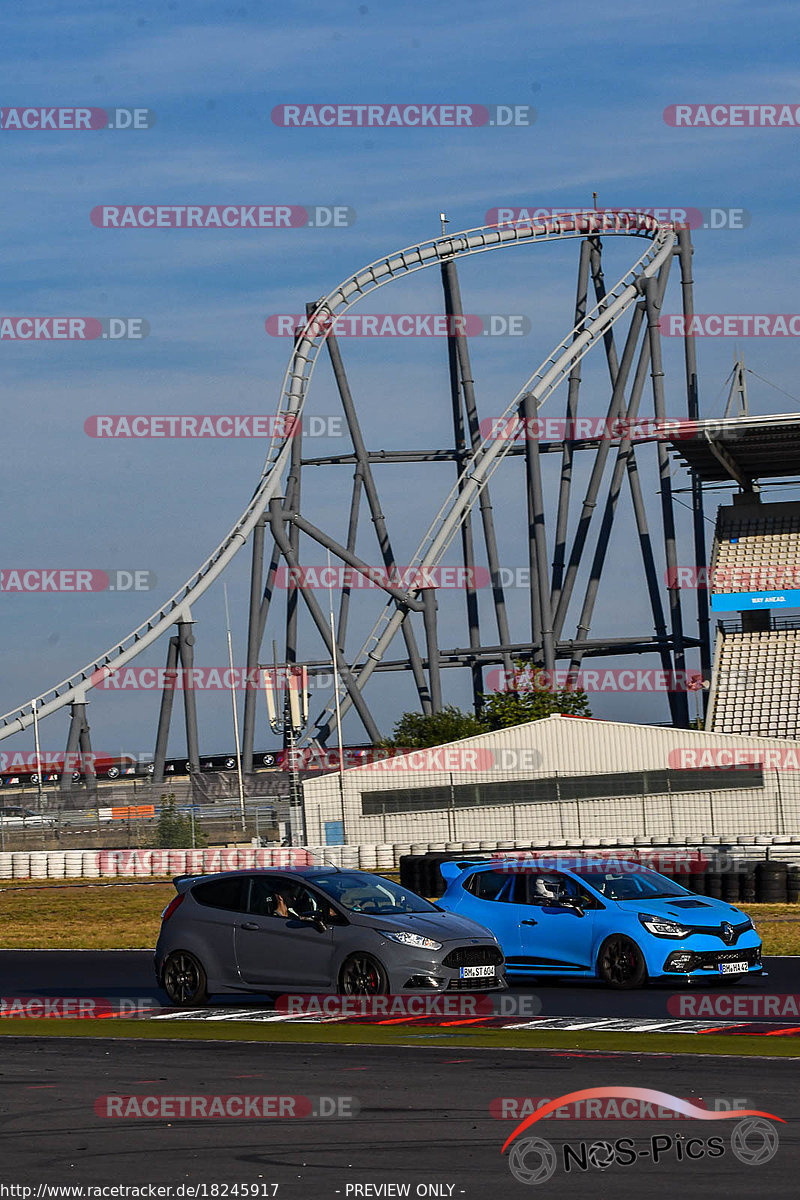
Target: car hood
[(687, 910), (442, 926)]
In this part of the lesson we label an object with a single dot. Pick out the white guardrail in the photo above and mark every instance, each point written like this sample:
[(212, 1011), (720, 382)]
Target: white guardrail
[(154, 864)]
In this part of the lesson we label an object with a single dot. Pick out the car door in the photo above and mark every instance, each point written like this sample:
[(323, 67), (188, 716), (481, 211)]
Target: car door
[(220, 905), (489, 900), (274, 950), (553, 935)]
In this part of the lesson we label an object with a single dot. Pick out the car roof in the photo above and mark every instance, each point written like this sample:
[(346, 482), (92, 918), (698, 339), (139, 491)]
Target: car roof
[(304, 872)]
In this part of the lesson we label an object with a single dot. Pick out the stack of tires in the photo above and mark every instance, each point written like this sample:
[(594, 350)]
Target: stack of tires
[(766, 882), (421, 873), (771, 882)]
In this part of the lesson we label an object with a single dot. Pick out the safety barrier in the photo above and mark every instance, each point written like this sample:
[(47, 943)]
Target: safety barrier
[(382, 857)]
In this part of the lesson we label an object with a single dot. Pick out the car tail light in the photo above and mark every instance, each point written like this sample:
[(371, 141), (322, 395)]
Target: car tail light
[(172, 907)]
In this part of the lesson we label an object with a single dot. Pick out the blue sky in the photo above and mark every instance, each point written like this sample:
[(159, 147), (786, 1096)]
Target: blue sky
[(599, 80)]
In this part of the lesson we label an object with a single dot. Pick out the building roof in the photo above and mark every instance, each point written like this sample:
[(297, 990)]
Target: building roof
[(740, 449)]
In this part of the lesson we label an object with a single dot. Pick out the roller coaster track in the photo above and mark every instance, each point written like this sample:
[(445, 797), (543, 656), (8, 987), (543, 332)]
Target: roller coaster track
[(477, 471)]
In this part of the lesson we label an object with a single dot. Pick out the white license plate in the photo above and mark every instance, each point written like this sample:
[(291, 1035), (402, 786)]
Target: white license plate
[(477, 972), (732, 968)]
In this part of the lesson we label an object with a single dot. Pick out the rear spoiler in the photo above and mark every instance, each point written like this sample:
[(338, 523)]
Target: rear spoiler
[(184, 882), (451, 868)]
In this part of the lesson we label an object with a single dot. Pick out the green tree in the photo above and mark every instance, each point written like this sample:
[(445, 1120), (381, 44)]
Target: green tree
[(530, 698), (417, 730), (173, 829)]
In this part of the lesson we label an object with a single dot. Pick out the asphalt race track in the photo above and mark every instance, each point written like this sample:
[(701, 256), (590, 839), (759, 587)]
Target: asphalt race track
[(129, 974), (423, 1119)]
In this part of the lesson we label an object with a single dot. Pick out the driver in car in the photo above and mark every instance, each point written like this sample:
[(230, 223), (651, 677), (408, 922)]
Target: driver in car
[(283, 906), (548, 889)]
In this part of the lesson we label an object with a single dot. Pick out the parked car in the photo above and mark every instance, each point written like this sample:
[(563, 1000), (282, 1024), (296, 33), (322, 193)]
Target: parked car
[(14, 817), (624, 924), (316, 929)]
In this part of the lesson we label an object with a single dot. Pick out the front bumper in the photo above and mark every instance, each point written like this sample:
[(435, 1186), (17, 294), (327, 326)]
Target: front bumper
[(705, 958), (440, 970)]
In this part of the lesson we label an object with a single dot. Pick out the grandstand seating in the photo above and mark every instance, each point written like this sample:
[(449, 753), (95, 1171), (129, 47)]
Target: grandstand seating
[(756, 684)]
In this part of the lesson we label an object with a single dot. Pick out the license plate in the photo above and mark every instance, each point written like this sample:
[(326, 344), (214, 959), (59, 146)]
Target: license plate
[(732, 968), (477, 972)]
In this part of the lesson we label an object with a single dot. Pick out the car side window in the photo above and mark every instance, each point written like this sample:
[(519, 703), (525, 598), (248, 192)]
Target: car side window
[(270, 896), (491, 885), (220, 893), (546, 888)]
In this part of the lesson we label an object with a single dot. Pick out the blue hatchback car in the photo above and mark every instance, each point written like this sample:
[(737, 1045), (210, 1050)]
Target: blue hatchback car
[(621, 922)]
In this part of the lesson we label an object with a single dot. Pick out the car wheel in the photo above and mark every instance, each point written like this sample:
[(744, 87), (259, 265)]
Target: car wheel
[(184, 979), (362, 975), (620, 963)]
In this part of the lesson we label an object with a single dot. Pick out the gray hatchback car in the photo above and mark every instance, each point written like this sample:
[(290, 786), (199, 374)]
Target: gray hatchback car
[(316, 929)]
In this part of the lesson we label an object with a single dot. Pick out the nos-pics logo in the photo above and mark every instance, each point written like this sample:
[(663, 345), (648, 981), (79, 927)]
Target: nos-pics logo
[(533, 1160)]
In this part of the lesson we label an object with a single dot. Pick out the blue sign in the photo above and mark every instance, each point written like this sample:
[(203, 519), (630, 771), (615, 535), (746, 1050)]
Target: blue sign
[(739, 601)]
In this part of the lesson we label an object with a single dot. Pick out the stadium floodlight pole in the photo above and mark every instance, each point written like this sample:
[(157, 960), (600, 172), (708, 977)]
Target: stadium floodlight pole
[(235, 711), (335, 665), (35, 706)]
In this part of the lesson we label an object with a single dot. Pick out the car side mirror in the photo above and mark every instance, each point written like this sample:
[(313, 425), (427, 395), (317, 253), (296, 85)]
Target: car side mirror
[(318, 923), (574, 904)]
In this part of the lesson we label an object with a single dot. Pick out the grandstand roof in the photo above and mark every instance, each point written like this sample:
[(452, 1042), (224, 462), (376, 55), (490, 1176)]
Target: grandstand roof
[(741, 448)]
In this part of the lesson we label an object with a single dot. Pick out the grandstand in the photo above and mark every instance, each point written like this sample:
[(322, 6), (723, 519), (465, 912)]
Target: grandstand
[(755, 572)]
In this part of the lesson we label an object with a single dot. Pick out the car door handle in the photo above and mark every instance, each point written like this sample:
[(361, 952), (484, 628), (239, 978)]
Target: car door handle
[(529, 922), (249, 925)]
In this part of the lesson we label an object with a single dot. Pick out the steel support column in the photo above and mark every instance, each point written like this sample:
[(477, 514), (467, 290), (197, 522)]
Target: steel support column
[(462, 454), (685, 253), (186, 655), (165, 713), (568, 451), (76, 727), (653, 296), (538, 534), (434, 668), (253, 645), (455, 309)]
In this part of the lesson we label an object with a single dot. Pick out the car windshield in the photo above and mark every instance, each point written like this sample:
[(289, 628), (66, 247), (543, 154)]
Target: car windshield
[(638, 884), (370, 894)]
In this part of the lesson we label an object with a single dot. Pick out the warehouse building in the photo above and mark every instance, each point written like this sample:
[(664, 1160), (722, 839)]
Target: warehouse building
[(565, 779)]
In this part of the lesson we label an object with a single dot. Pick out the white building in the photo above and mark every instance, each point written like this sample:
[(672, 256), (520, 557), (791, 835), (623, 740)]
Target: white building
[(565, 778)]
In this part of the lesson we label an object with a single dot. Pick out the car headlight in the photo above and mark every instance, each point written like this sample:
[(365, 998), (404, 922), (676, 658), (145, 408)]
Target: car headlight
[(411, 939), (662, 927)]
